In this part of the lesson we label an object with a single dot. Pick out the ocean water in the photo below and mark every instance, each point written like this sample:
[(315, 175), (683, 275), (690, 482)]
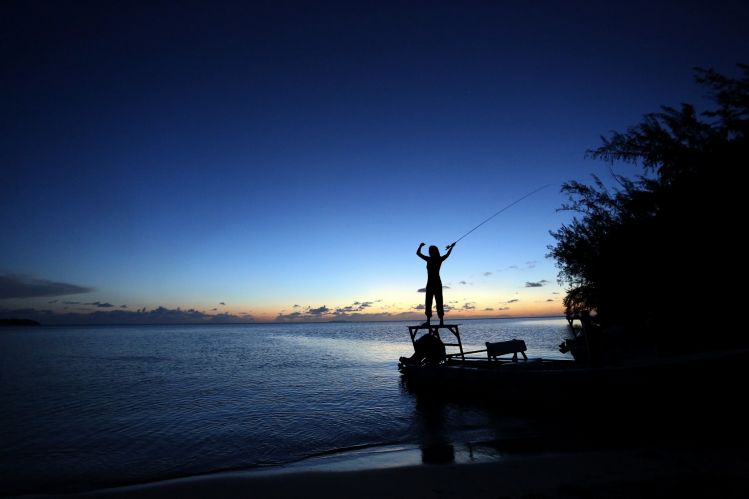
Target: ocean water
[(90, 407)]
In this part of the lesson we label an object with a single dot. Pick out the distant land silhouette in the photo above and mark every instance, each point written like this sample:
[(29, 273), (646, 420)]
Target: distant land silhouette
[(18, 322)]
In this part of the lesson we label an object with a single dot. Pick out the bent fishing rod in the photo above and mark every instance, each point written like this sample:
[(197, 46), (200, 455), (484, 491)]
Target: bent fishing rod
[(500, 211)]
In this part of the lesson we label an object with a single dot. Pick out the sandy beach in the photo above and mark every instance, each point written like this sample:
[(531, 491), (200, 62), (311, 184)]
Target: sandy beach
[(646, 472)]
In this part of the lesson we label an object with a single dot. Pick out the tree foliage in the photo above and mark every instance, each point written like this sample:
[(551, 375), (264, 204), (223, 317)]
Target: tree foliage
[(653, 253)]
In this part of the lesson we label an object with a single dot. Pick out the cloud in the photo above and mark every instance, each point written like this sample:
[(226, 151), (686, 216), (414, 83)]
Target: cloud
[(420, 306), (291, 316), (555, 292), (463, 283), (503, 308), (123, 306), (531, 264), (222, 303), (357, 316), (99, 304), (537, 284), (357, 306), (514, 267), (21, 286), (512, 301), (488, 309), (424, 290), (550, 299), (296, 305), (487, 274), (318, 311), (87, 303), (469, 306), (353, 311)]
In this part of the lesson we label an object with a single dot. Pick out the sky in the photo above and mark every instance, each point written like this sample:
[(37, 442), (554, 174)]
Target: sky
[(281, 161)]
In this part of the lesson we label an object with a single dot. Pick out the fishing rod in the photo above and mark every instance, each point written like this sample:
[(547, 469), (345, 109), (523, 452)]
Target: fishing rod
[(500, 211)]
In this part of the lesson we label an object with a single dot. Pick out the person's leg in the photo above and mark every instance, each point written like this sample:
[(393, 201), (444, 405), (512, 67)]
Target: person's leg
[(428, 304), (440, 307)]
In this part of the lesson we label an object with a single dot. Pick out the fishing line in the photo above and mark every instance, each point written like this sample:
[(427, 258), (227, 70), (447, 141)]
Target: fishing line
[(503, 209)]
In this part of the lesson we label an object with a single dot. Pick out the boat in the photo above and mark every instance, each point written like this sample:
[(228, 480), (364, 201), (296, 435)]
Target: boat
[(577, 343), (535, 381)]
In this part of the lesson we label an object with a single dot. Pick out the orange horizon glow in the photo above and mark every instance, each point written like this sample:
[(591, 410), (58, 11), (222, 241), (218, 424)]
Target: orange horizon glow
[(389, 312)]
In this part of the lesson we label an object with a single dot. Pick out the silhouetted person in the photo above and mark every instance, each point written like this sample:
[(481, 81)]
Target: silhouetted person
[(428, 349), (434, 283)]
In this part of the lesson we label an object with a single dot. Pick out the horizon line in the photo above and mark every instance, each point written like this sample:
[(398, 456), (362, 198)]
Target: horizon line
[(293, 322)]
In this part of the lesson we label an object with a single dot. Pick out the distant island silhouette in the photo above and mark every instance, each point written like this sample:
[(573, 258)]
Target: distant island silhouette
[(18, 322)]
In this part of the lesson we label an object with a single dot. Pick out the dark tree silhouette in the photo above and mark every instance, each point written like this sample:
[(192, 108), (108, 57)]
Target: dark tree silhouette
[(658, 253)]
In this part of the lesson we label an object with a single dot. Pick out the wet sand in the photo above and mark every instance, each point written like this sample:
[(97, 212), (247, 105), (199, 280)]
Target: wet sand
[(680, 471)]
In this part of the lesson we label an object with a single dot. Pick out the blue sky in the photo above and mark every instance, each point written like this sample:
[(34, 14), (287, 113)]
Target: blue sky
[(183, 155)]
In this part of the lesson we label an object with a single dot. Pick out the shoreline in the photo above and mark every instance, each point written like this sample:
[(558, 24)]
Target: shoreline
[(683, 469), (657, 471), (355, 459)]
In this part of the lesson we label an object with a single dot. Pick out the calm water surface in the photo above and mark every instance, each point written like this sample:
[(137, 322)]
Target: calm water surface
[(86, 407)]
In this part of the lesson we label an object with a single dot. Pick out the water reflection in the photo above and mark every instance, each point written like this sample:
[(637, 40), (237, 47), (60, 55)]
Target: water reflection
[(431, 417), (438, 454), (440, 439)]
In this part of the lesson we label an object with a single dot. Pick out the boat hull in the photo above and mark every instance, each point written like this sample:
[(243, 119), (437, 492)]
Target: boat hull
[(657, 381)]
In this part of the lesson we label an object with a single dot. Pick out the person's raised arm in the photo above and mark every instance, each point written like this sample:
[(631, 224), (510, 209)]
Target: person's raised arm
[(449, 250), (418, 252)]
